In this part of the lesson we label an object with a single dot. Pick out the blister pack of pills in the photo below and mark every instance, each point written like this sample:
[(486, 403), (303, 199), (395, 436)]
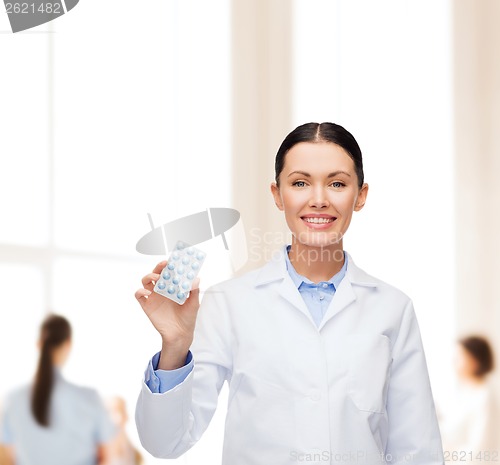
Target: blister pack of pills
[(183, 265)]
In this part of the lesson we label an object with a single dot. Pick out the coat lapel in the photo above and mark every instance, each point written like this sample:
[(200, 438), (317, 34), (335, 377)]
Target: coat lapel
[(275, 270), (346, 293), (343, 297), (289, 292)]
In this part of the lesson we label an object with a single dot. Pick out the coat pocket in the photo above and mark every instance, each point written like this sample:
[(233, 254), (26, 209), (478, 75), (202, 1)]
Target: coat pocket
[(370, 362)]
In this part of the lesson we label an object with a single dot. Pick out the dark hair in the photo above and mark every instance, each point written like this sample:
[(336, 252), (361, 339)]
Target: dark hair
[(55, 330), (324, 132), (480, 350)]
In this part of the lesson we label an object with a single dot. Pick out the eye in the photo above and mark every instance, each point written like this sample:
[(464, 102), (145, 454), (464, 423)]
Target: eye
[(338, 184), (299, 182)]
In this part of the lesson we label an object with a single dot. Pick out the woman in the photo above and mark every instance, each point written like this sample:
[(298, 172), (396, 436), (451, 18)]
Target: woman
[(470, 424), (52, 421), (122, 451), (324, 362)]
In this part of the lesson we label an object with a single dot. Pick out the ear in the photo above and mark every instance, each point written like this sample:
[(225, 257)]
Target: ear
[(275, 190), (361, 198)]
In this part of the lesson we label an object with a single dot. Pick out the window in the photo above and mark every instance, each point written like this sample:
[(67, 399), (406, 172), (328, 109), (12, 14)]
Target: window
[(102, 109), (383, 71)]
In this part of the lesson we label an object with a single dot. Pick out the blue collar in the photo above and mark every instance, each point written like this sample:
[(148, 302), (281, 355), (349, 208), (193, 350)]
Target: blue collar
[(299, 280)]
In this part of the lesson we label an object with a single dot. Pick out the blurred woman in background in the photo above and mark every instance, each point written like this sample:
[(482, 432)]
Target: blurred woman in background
[(4, 458), (52, 421), (469, 426), (122, 451)]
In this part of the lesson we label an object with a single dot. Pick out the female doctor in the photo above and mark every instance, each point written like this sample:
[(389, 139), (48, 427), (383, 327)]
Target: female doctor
[(324, 362)]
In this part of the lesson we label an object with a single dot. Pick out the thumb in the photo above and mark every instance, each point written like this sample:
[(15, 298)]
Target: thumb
[(196, 284)]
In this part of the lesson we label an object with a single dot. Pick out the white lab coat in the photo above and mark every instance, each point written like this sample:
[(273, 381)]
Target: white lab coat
[(354, 391)]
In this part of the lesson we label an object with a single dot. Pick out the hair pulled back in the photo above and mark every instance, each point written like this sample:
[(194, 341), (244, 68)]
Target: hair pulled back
[(55, 330), (479, 348), (321, 132)]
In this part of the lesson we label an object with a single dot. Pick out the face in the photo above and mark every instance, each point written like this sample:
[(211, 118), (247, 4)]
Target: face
[(118, 411), (465, 363), (318, 193)]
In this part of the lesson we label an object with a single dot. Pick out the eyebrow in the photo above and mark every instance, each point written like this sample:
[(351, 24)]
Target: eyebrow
[(331, 175)]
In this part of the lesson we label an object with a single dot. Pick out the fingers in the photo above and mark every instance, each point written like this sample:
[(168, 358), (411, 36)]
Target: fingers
[(149, 280), (194, 293), (142, 294), (194, 296), (160, 266)]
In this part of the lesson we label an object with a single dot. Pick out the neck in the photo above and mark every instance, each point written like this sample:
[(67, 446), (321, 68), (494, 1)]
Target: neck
[(60, 354), (474, 381), (316, 263)]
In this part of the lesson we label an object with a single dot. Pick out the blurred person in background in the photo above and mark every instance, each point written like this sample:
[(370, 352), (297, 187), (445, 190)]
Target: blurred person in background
[(122, 451), (52, 421), (4, 459), (469, 422)]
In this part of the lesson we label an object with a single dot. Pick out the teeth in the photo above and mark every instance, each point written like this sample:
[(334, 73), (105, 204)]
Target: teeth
[(318, 220)]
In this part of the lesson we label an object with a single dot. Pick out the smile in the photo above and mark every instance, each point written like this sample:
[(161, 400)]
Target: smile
[(319, 220)]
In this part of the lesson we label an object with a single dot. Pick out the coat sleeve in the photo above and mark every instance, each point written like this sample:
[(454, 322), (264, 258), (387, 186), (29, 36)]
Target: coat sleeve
[(170, 423), (414, 435)]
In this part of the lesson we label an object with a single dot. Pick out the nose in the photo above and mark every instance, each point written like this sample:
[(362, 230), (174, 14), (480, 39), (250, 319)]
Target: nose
[(319, 198)]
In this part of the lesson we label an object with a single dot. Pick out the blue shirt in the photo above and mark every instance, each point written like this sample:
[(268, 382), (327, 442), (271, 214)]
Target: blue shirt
[(79, 423), (317, 297)]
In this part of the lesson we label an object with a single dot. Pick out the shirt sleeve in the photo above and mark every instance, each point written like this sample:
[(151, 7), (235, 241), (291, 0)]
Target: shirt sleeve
[(160, 381)]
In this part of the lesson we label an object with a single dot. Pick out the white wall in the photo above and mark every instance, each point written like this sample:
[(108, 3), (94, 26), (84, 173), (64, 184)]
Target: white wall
[(101, 110), (383, 71)]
